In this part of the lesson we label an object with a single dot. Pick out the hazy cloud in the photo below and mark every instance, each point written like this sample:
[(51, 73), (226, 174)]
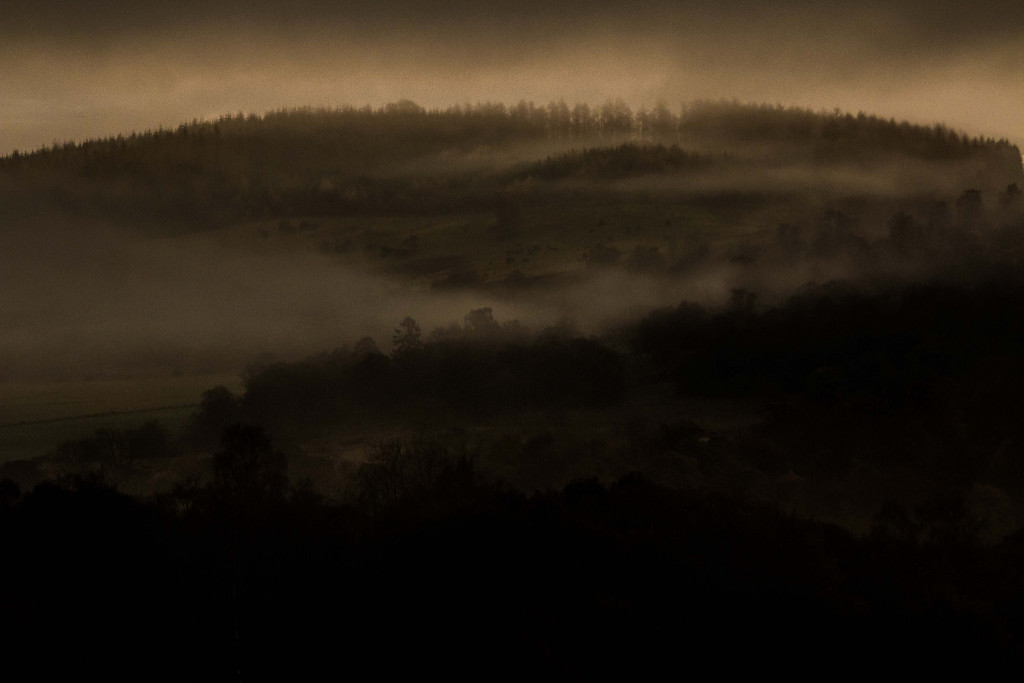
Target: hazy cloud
[(73, 70)]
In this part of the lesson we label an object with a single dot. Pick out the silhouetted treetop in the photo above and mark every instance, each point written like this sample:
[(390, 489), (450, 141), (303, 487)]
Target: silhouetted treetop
[(248, 464), (407, 337), (368, 137)]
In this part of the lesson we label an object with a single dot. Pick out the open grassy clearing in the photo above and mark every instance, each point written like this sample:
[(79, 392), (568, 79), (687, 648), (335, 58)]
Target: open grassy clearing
[(23, 402), (33, 439), (35, 417)]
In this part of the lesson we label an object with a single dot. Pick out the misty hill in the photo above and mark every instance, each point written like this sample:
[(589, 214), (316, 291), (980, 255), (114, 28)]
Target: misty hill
[(297, 229), (402, 157)]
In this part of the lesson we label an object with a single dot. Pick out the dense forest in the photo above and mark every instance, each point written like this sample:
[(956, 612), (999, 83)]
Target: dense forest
[(523, 390)]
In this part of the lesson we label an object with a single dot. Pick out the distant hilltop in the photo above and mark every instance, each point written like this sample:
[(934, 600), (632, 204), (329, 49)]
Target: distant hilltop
[(295, 161), (715, 122)]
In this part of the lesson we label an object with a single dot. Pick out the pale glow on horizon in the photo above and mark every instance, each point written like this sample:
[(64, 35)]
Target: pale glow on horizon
[(55, 91)]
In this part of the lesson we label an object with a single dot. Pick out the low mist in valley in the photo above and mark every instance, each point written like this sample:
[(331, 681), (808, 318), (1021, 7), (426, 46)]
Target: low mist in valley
[(113, 303), (202, 259)]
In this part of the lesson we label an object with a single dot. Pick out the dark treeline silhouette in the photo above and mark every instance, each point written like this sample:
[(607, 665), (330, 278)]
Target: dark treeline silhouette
[(411, 130), (330, 161), (477, 369), (436, 568)]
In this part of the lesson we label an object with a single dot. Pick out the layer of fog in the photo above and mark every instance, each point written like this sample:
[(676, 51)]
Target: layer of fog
[(88, 303), (103, 304)]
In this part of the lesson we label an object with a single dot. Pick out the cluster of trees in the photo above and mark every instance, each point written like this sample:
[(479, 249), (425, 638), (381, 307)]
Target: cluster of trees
[(480, 368)]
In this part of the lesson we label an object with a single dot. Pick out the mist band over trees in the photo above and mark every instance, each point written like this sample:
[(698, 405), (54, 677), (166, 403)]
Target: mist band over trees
[(538, 191)]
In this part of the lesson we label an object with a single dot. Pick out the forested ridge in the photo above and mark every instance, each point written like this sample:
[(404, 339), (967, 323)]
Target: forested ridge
[(468, 126), (402, 157)]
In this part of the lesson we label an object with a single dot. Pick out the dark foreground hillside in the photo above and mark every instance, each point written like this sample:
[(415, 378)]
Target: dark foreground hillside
[(464, 579)]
